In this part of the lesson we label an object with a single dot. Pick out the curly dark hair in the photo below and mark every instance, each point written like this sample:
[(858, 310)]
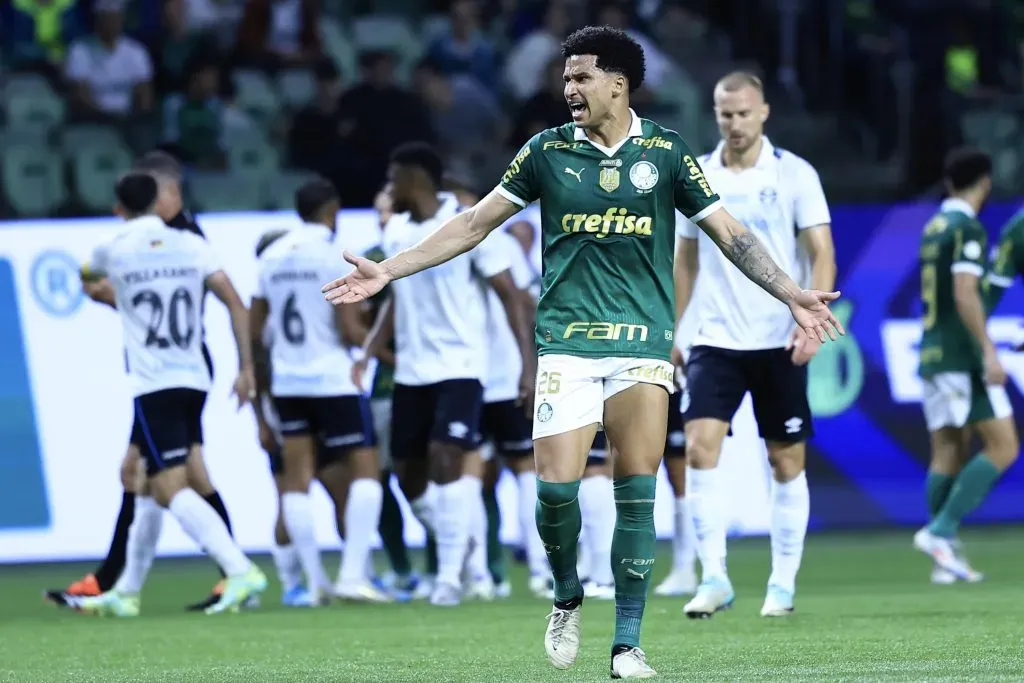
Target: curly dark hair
[(616, 52)]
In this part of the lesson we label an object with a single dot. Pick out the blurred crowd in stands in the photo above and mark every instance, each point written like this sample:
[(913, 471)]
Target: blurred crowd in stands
[(333, 86)]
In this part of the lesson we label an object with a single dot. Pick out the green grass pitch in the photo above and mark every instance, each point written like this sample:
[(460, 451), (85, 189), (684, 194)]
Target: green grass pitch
[(865, 612)]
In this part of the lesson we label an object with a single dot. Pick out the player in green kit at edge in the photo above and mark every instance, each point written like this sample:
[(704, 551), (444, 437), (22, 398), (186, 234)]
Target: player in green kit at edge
[(963, 379), (608, 186)]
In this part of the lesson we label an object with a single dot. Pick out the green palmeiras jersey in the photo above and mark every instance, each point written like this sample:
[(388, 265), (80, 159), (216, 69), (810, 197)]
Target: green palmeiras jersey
[(953, 242), (608, 235), (1008, 261)]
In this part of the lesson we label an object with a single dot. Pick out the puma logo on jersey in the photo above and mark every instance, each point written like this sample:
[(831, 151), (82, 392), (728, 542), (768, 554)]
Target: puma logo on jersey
[(638, 575), (576, 174)]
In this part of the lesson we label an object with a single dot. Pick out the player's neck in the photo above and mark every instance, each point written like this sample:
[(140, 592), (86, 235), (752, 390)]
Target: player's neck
[(612, 130), (969, 198), (425, 207), (743, 159)]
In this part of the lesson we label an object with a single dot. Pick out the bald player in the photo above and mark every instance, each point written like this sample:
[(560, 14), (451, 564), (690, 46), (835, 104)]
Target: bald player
[(747, 342)]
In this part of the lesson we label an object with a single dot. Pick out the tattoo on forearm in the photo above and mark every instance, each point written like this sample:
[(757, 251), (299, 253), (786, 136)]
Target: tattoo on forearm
[(750, 256)]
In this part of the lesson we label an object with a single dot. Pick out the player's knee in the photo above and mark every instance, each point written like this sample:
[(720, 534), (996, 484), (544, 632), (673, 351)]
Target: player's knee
[(557, 494), (166, 484), (1002, 445), (131, 471), (198, 475), (446, 462), (787, 460), (703, 448)]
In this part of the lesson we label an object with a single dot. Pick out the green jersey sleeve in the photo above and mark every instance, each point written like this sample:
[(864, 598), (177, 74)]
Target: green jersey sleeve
[(1008, 260), (969, 248), (520, 184), (694, 197)]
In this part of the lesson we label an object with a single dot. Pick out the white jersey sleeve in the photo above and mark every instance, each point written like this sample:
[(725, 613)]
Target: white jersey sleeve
[(685, 228), (810, 207), (504, 362), (493, 255)]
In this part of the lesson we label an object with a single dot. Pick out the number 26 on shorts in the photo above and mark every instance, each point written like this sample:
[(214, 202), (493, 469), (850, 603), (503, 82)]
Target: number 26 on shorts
[(549, 383)]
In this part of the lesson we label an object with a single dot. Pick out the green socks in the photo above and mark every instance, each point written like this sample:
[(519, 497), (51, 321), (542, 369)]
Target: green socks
[(633, 550), (936, 490), (496, 563), (969, 490), (559, 523), (392, 529)]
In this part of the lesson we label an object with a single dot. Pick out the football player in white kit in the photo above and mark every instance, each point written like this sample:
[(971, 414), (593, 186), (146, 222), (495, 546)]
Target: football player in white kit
[(324, 419), (439, 322), (506, 429), (286, 558), (159, 276), (745, 341)]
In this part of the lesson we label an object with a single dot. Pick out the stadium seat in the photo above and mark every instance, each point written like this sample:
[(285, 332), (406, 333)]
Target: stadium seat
[(338, 47), (34, 107), (281, 188), (33, 180), (297, 87), (212, 191), (31, 136), (96, 165), (388, 33), (256, 95), (434, 26), (251, 157), (26, 82), (78, 136)]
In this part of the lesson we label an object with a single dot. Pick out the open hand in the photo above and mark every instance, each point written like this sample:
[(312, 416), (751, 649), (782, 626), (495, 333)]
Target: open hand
[(358, 371), (245, 387), (803, 347), (812, 315), (367, 279)]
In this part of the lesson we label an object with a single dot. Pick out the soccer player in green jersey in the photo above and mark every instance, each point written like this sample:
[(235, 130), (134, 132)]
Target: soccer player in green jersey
[(1008, 261), (608, 184), (963, 379)]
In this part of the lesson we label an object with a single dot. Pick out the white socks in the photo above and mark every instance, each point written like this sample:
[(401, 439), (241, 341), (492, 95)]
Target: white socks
[(289, 569), (597, 505), (202, 523), (425, 508), (707, 508), (297, 509), (477, 562), (362, 515), (791, 510), (452, 523), (684, 551), (536, 558), (142, 539)]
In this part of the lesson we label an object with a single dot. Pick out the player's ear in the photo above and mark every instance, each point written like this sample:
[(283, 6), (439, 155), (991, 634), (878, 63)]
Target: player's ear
[(119, 210), (766, 111)]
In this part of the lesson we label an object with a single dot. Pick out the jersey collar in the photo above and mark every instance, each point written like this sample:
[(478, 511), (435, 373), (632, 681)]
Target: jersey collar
[(147, 221), (320, 229), (957, 204), (765, 158), (636, 129)]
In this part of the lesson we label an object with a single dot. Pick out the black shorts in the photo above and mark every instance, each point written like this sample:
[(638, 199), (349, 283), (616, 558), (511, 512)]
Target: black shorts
[(337, 423), (445, 412), (167, 424), (675, 437), (598, 454), (507, 426), (717, 380)]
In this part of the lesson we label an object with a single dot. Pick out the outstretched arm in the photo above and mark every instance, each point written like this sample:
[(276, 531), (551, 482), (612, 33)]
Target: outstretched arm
[(748, 254), (456, 236)]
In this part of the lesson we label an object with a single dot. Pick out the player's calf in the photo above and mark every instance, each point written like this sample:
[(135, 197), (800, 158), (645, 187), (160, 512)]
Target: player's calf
[(790, 513)]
